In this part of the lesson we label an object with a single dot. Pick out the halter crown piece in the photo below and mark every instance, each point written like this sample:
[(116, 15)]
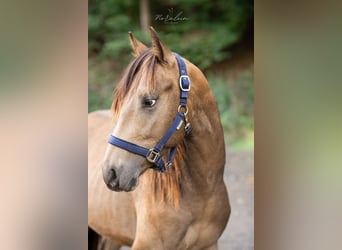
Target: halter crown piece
[(153, 154)]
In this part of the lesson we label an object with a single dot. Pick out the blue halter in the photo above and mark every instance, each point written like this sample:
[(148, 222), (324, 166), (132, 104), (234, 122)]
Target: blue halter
[(153, 154)]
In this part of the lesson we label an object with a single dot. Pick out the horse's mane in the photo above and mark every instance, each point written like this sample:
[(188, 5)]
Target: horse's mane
[(166, 186)]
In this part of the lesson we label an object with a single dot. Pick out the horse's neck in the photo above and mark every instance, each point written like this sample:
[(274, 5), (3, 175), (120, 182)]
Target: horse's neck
[(205, 156)]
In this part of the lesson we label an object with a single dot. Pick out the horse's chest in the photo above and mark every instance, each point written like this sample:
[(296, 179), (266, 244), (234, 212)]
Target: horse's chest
[(205, 228), (196, 225), (198, 236), (182, 230)]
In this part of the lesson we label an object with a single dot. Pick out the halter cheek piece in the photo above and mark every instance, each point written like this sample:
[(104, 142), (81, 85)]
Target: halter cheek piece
[(153, 154)]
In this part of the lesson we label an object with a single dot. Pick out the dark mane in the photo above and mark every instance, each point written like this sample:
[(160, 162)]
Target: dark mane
[(166, 186), (141, 67)]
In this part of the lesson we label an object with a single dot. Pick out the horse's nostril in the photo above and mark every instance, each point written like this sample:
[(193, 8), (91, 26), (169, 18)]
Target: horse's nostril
[(111, 180), (110, 176), (113, 173)]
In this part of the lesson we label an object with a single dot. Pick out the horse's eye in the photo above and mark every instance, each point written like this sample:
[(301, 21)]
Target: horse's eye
[(148, 103)]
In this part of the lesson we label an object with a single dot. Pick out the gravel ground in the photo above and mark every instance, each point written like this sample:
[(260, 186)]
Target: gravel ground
[(239, 177)]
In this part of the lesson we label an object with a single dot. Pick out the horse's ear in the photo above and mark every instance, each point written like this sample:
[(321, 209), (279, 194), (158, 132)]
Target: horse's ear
[(159, 49), (137, 46)]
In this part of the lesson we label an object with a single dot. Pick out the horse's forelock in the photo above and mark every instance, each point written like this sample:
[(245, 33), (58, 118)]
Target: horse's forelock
[(143, 65)]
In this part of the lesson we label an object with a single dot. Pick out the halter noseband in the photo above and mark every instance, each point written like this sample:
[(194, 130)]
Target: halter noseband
[(153, 154)]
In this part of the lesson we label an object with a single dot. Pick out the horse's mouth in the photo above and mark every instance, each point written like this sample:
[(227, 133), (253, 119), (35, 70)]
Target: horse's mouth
[(117, 187)]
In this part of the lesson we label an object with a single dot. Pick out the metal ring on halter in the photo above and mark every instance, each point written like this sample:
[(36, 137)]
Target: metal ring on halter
[(185, 107)]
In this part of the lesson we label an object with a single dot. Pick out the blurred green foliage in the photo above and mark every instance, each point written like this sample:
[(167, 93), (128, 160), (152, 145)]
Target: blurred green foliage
[(209, 28), (235, 100)]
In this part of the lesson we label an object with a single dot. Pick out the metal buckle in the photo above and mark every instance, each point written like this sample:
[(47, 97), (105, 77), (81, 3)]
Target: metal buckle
[(181, 83), (152, 156), (185, 111)]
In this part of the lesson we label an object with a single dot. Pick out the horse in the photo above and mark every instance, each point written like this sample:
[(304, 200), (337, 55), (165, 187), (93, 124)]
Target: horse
[(158, 183)]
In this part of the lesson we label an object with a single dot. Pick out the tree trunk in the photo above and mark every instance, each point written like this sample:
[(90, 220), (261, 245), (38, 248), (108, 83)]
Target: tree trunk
[(144, 15)]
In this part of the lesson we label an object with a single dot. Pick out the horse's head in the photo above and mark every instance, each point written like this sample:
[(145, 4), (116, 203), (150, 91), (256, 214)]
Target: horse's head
[(145, 104)]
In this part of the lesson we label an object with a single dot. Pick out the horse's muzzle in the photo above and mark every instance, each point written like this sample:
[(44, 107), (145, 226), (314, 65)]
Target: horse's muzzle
[(114, 183)]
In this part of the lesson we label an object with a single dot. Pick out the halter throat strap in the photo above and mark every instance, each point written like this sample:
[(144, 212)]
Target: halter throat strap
[(153, 155)]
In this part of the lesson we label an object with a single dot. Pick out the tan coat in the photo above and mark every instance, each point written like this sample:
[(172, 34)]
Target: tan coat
[(185, 208)]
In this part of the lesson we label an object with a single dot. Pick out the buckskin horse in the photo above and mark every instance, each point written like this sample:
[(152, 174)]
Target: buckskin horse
[(166, 151)]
